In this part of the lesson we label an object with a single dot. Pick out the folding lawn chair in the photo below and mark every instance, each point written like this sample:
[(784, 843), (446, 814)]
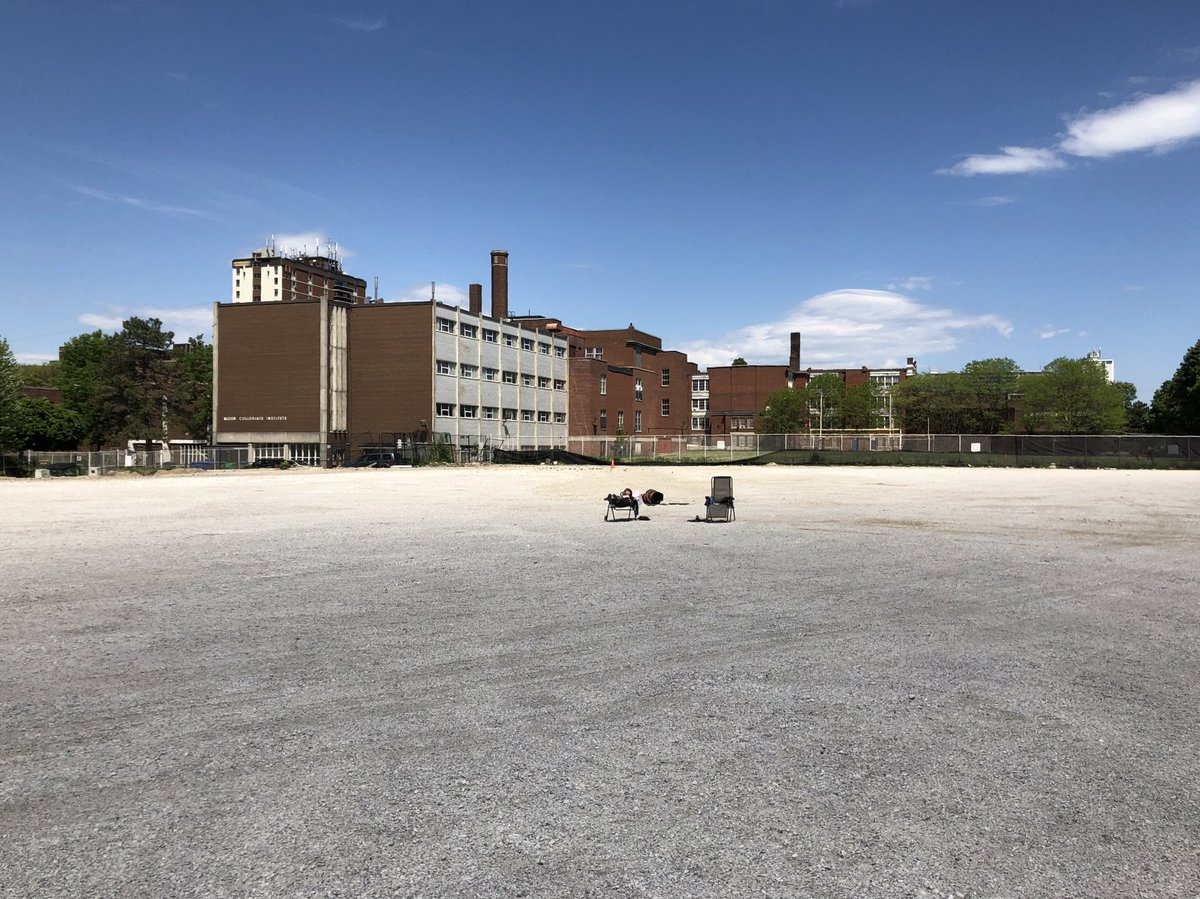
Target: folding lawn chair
[(718, 505), (621, 505)]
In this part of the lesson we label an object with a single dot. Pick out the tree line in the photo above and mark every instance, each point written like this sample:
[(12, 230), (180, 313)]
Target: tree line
[(130, 385), (993, 396)]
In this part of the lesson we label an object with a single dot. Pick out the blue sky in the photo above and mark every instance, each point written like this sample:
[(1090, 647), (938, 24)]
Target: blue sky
[(946, 180)]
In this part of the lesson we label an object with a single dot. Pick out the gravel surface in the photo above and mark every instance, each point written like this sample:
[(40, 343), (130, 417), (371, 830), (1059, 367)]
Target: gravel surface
[(463, 682)]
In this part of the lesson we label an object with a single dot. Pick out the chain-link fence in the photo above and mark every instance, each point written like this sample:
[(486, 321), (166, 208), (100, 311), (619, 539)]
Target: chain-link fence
[(893, 448)]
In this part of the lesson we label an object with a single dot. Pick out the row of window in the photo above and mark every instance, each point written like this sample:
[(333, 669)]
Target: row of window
[(491, 413), (489, 335), (637, 422), (494, 374)]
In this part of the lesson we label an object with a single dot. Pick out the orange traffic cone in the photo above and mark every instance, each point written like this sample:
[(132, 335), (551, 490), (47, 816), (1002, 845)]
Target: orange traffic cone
[(612, 465)]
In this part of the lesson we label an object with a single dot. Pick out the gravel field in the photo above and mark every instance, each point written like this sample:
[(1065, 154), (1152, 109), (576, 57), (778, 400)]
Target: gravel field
[(463, 682)]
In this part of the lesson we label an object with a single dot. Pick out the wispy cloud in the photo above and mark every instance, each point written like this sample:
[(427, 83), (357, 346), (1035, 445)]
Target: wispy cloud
[(914, 282), (364, 25), (1009, 161), (185, 321), (450, 294), (1134, 288), (34, 358), (1049, 332), (1159, 122), (583, 265), (1150, 122), (848, 327), (148, 205), (999, 200)]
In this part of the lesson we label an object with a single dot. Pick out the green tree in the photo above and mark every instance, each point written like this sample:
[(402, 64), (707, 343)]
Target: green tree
[(40, 374), (984, 388), (1072, 396), (80, 362), (44, 426), (193, 388), (8, 397), (929, 403), (786, 411), (1175, 408), (740, 361), (825, 392), (136, 381), (859, 406)]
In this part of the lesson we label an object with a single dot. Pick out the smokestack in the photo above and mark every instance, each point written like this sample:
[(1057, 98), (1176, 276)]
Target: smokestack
[(475, 300), (794, 358), (500, 284)]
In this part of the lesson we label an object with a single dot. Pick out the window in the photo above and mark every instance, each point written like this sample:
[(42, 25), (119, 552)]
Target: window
[(700, 405), (544, 383), (508, 414), (666, 381), (637, 357), (510, 339), (560, 352), (527, 380), (604, 385), (544, 349), (620, 421), (560, 418), (603, 420), (700, 385), (527, 343), (666, 408), (468, 330), (444, 367), (526, 415), (490, 412), (510, 377), (697, 424), (637, 422), (594, 352), (490, 336), (445, 409), (560, 384), (544, 416), (445, 325), (469, 371), (637, 389), (490, 374), (467, 411)]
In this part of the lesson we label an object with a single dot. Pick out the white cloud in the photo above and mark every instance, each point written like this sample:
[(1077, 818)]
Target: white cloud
[(915, 282), (366, 25), (1009, 161), (34, 358), (1158, 122), (847, 327), (1050, 332), (995, 201), (148, 205), (185, 321), (1134, 288), (449, 294)]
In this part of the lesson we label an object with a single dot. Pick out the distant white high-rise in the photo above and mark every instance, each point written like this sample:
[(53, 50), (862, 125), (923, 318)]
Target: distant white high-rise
[(1106, 364)]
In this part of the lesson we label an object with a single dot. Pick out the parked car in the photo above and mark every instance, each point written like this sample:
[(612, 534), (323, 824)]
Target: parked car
[(375, 460), (266, 463)]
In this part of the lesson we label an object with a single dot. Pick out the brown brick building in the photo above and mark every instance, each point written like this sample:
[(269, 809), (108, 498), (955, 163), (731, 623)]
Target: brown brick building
[(320, 380), (738, 393)]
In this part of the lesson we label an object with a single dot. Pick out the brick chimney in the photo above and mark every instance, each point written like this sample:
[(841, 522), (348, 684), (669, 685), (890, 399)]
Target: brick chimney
[(794, 358), (475, 299), (500, 284)]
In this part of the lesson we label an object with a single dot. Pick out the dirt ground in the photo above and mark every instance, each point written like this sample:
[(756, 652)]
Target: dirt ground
[(463, 682)]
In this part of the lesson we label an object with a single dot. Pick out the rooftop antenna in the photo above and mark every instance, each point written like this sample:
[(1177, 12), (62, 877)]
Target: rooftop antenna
[(433, 291), (377, 288)]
